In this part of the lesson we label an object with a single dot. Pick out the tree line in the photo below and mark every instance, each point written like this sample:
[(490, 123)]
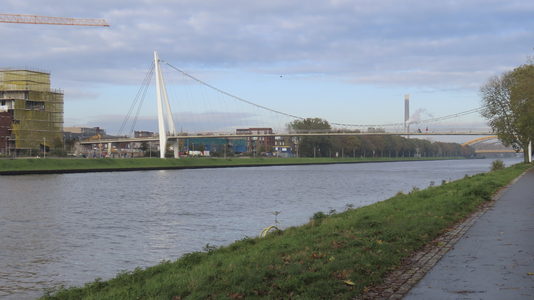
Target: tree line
[(365, 146)]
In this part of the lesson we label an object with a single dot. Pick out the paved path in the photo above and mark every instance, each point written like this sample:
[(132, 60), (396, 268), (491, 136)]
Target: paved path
[(493, 258)]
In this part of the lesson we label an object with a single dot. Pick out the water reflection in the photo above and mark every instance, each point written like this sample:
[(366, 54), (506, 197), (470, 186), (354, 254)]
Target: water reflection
[(70, 229)]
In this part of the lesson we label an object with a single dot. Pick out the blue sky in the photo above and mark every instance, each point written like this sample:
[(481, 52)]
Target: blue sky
[(344, 61)]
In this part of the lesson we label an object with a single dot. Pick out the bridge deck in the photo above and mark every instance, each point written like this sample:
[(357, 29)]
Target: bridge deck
[(240, 136)]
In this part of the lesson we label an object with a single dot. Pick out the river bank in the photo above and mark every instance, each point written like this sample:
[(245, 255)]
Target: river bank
[(78, 165), (335, 255)]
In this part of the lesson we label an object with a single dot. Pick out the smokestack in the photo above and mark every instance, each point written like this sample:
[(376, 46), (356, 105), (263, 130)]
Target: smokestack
[(406, 113)]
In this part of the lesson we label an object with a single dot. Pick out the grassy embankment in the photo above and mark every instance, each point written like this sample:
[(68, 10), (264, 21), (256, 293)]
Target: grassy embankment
[(37, 164), (331, 257)]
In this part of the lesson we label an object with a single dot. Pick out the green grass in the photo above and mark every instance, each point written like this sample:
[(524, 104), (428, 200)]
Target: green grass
[(311, 261), (39, 164)]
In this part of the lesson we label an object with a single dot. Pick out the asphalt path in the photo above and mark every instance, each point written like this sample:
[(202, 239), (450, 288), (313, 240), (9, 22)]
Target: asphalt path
[(494, 259)]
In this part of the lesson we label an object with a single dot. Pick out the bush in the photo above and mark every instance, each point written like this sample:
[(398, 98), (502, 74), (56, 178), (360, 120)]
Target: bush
[(318, 215), (497, 164), (154, 153), (58, 152), (481, 191)]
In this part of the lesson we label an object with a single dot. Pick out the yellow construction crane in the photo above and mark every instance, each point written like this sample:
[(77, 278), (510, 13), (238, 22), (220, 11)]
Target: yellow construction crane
[(31, 19), (99, 137)]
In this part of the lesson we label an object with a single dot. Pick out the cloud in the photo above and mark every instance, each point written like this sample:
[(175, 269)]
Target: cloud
[(412, 44), (80, 95), (367, 41)]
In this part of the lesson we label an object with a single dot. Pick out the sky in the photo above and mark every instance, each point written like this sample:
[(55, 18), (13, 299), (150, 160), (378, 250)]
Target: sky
[(343, 61)]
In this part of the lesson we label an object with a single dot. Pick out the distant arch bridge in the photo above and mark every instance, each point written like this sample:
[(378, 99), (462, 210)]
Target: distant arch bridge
[(486, 150), (479, 140)]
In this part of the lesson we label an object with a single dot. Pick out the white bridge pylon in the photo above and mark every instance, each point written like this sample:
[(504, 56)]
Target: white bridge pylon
[(162, 91)]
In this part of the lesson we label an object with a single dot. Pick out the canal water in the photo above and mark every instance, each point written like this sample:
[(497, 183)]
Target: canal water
[(72, 228)]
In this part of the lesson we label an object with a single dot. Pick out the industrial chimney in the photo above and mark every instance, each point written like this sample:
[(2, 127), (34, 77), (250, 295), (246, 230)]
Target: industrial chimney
[(406, 113)]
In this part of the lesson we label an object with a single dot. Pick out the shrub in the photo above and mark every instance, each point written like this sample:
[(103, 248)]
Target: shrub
[(58, 152), (414, 190), (481, 191), (209, 248), (318, 215), (497, 165)]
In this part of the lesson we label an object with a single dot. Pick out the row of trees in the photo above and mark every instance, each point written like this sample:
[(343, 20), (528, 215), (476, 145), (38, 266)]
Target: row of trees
[(508, 104), (368, 145)]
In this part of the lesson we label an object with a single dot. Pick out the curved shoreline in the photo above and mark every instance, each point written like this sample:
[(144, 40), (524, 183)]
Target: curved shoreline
[(205, 166), (347, 254)]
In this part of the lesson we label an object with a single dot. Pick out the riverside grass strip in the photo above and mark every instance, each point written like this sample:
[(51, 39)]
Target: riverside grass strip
[(12, 166), (334, 256)]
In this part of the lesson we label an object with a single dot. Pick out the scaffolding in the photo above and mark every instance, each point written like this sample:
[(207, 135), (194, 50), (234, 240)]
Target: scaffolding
[(35, 108)]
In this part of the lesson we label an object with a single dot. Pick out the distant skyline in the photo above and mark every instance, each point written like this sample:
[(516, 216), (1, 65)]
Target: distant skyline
[(343, 61)]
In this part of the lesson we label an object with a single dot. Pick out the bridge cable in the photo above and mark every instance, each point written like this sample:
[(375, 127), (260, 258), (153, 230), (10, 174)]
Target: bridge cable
[(189, 98), (297, 117), (456, 123), (193, 102), (148, 77), (228, 94), (225, 113), (175, 103), (140, 104), (208, 106), (474, 123), (436, 128)]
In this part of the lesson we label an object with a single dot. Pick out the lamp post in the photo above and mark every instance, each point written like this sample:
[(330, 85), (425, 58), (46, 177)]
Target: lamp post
[(44, 147), (150, 148)]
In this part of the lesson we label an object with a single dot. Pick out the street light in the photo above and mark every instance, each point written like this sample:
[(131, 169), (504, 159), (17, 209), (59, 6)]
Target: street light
[(150, 148), (44, 147)]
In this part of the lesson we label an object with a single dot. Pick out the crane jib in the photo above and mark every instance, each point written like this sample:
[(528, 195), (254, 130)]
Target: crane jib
[(32, 19)]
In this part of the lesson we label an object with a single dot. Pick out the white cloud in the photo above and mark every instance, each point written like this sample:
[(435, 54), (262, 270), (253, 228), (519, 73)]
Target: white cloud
[(412, 44)]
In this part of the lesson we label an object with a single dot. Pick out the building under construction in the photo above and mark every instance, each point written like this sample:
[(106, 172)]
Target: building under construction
[(34, 109)]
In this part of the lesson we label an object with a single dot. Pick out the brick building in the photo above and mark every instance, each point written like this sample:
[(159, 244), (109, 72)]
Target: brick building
[(256, 142)]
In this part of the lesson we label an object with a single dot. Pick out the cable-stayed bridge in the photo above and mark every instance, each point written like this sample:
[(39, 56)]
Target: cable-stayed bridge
[(206, 111)]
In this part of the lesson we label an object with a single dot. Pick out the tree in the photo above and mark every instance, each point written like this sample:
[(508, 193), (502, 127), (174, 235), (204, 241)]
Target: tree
[(144, 146), (467, 151), (508, 104), (522, 100), (57, 143), (351, 143), (168, 152), (311, 145), (261, 149)]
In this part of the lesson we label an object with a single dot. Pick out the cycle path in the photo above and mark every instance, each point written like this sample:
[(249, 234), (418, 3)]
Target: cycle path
[(494, 257)]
